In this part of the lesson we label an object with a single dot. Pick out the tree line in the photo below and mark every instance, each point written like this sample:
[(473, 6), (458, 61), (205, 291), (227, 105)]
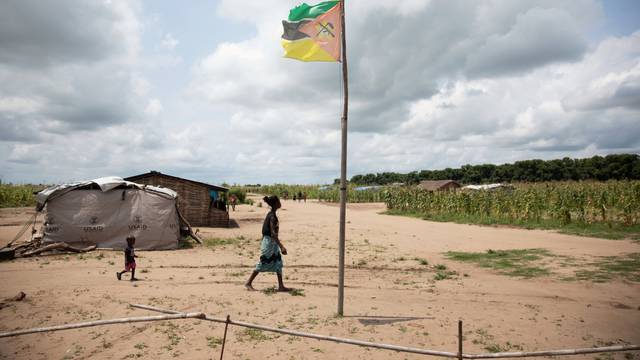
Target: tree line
[(610, 167)]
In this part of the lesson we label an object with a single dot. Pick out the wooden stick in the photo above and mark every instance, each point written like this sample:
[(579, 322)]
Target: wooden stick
[(57, 246), (554, 352), (313, 336), (224, 338), (104, 322), (459, 339)]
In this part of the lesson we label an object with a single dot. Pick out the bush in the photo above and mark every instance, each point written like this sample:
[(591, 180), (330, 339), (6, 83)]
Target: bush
[(241, 195)]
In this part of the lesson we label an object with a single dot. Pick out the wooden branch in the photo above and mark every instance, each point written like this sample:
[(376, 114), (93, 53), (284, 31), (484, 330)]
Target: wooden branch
[(57, 246), (198, 315), (191, 233)]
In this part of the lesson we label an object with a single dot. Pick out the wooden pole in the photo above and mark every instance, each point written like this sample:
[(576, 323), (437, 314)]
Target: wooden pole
[(459, 339), (224, 338), (104, 322), (343, 164)]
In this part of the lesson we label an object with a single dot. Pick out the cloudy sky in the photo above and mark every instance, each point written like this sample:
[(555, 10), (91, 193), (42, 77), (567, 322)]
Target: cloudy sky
[(200, 89)]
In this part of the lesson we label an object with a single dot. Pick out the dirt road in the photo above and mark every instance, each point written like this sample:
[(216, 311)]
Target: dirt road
[(391, 295)]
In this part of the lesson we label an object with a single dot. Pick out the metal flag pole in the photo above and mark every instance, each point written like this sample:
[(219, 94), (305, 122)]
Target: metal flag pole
[(343, 165)]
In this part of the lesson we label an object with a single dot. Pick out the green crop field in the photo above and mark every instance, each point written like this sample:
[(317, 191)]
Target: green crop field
[(322, 193), (18, 195), (600, 206)]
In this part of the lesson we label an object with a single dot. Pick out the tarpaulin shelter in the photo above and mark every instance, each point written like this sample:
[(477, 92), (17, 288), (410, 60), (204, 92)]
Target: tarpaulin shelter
[(104, 211)]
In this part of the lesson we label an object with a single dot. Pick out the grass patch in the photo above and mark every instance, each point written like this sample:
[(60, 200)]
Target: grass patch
[(213, 341), (507, 262), (253, 335), (270, 290), (186, 243), (274, 290), (444, 275), (217, 242), (421, 261), (496, 348), (609, 267), (613, 231)]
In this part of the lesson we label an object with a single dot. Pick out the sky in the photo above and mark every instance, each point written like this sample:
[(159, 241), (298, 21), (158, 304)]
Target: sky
[(200, 89)]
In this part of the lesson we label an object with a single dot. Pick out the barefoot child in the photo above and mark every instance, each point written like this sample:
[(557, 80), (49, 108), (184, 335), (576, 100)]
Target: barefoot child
[(270, 259), (129, 259)]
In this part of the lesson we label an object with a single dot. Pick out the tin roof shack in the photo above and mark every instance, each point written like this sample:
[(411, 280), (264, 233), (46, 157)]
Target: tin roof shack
[(439, 185), (199, 203)]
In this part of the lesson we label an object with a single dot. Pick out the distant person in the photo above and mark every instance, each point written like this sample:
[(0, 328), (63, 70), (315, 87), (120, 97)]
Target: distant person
[(304, 196), (129, 259), (294, 197), (299, 196), (285, 195), (232, 201), (213, 195), (222, 205), (270, 259)]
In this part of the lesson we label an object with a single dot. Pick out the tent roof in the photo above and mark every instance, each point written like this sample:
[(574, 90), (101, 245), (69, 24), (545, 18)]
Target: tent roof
[(487, 186), (105, 183)]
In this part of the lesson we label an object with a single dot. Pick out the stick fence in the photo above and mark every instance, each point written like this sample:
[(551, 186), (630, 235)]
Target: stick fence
[(173, 315), (459, 354), (104, 322)]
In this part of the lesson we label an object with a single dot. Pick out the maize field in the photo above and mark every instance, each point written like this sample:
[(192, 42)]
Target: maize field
[(322, 193), (611, 202), (18, 195)]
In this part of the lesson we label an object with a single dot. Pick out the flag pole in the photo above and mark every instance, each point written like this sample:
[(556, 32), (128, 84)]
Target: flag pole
[(343, 165)]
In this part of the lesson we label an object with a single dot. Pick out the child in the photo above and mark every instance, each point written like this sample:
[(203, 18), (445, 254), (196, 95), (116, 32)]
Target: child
[(129, 259), (270, 259)]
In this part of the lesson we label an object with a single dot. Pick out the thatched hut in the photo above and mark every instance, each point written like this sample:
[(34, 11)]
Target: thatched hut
[(200, 203), (439, 185)]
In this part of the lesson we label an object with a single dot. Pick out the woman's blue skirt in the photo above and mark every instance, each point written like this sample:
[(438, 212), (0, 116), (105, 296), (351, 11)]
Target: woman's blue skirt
[(270, 258)]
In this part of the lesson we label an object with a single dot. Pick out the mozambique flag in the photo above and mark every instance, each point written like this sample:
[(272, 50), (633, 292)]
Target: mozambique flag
[(312, 32)]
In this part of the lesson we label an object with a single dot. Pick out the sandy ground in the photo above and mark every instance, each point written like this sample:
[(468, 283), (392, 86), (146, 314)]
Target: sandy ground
[(390, 297)]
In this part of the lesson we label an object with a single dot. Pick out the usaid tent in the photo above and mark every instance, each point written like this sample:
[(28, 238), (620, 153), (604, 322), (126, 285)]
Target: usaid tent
[(104, 211)]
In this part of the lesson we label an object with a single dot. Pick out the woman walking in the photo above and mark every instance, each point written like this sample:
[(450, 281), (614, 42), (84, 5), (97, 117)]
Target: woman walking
[(270, 259)]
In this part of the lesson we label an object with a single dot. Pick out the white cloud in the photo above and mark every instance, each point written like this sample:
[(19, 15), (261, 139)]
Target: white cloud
[(140, 85), (432, 84), (19, 105), (154, 107), (169, 42)]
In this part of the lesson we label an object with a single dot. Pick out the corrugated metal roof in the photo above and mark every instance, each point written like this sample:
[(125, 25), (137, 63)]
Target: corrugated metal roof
[(434, 185), (157, 173)]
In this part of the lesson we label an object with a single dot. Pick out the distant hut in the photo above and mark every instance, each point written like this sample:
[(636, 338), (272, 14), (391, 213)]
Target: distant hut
[(439, 185), (201, 204)]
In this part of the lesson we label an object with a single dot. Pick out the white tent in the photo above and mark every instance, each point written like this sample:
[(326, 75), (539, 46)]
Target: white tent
[(105, 211), (488, 187)]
